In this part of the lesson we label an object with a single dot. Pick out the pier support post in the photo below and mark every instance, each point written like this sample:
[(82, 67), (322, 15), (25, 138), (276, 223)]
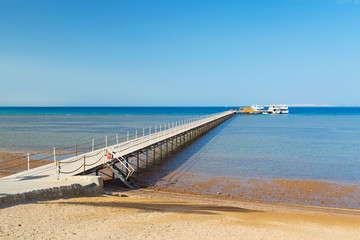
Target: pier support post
[(167, 148), (154, 154), (127, 165), (161, 151), (138, 161)]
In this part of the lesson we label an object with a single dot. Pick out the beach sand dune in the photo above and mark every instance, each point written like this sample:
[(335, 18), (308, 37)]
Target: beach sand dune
[(149, 214)]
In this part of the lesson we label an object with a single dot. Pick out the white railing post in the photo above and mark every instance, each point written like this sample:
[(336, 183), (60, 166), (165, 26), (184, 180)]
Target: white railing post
[(54, 153), (106, 141), (127, 139), (93, 145), (28, 160), (117, 139), (143, 135), (135, 134)]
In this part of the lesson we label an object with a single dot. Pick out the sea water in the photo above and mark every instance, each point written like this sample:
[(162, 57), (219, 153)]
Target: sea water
[(309, 143)]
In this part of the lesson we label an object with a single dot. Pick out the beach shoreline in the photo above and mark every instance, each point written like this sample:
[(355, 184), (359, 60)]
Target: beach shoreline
[(297, 191), (152, 214)]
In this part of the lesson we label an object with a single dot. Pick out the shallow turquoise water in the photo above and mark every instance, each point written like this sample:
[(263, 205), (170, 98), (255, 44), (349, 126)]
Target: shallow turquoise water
[(309, 143), (318, 147)]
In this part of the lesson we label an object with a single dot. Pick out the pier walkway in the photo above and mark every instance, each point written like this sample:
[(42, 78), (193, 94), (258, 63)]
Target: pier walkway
[(123, 159)]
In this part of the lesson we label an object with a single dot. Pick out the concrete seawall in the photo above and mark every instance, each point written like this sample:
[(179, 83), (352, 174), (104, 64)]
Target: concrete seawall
[(83, 185)]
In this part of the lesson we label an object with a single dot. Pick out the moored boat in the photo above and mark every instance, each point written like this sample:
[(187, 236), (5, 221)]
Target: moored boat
[(274, 109), (284, 109), (258, 109)]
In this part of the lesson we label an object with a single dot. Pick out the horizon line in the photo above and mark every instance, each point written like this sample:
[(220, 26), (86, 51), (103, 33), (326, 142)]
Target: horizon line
[(289, 105)]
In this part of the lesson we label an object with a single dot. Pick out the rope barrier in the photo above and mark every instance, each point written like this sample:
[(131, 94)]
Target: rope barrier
[(44, 158), (82, 165), (135, 139), (99, 151), (5, 161), (72, 160), (7, 168), (87, 165)]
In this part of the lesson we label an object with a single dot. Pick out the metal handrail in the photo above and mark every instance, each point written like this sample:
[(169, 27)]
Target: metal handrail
[(127, 166)]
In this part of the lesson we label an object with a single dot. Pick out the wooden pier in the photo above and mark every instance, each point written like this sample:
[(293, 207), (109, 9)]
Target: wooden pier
[(123, 159)]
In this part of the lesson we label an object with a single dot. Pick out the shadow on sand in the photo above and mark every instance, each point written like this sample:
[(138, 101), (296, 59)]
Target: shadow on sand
[(160, 206)]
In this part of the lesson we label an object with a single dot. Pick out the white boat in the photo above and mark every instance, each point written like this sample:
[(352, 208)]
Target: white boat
[(258, 109), (284, 109), (273, 109)]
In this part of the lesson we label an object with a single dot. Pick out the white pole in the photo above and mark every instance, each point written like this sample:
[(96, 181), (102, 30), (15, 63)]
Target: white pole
[(127, 136), (106, 141), (143, 135), (117, 139), (135, 134), (93, 145), (54, 152), (28, 160)]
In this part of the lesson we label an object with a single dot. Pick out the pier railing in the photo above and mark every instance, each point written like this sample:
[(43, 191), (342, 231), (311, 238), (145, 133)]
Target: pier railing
[(96, 146), (87, 161)]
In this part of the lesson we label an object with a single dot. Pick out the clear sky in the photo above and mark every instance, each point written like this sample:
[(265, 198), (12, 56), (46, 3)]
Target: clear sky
[(179, 53)]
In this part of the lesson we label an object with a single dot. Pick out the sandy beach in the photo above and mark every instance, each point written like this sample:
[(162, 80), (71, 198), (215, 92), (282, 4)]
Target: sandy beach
[(150, 214)]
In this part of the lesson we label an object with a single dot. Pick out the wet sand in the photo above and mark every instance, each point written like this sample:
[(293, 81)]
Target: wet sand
[(307, 192), (149, 214)]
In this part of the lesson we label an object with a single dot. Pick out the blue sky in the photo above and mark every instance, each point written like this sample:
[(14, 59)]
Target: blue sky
[(179, 53)]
